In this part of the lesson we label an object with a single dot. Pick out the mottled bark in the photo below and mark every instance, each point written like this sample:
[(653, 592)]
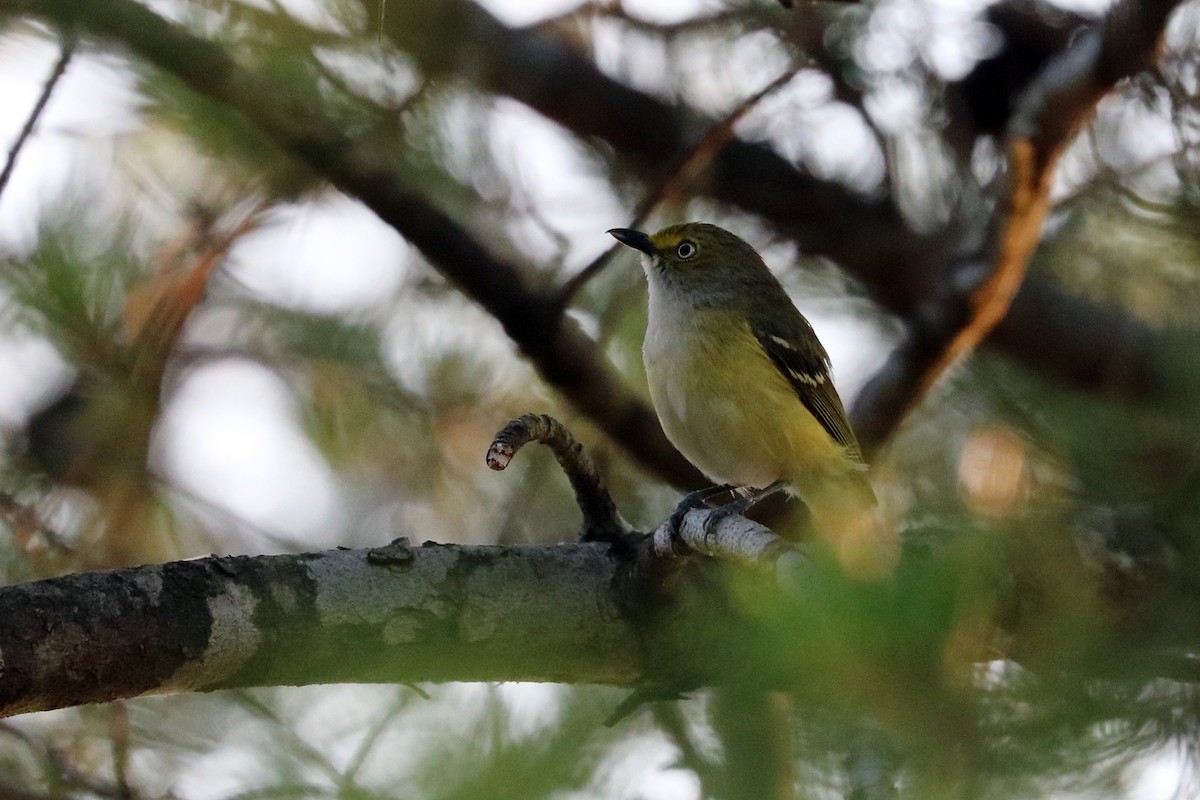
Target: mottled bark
[(639, 613), (391, 614)]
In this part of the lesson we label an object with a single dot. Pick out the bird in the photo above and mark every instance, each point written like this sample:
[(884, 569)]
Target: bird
[(741, 384)]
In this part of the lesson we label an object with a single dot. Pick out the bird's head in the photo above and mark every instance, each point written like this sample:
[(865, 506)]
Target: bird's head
[(694, 253)]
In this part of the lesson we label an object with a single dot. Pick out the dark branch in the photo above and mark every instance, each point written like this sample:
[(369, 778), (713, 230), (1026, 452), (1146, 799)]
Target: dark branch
[(549, 76), (983, 286), (67, 50), (1092, 346), (601, 522), (565, 357)]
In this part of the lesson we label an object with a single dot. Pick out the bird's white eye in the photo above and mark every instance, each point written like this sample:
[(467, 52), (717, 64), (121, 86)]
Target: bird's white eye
[(685, 250)]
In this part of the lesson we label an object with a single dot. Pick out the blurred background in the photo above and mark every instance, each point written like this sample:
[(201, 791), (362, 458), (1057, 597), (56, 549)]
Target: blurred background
[(206, 348)]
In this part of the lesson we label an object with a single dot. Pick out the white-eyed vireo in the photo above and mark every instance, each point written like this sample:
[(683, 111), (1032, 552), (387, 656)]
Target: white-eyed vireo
[(739, 380)]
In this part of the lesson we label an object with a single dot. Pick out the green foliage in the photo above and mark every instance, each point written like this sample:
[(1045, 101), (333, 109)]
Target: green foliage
[(72, 290)]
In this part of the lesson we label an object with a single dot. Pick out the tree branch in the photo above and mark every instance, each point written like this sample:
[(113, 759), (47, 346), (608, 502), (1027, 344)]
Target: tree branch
[(66, 52), (601, 522), (646, 613), (550, 77), (406, 614), (575, 613), (1092, 346), (977, 292), (683, 177), (1072, 339)]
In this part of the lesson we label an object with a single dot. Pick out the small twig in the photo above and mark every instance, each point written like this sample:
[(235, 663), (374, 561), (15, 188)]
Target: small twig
[(685, 173), (347, 783), (118, 731), (601, 521), (300, 748), (60, 67), (672, 722), (703, 531), (724, 20)]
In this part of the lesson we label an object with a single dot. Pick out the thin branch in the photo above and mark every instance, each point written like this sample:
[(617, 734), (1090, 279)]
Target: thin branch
[(551, 77), (686, 173), (119, 735), (295, 743), (66, 52), (1092, 346), (702, 531)]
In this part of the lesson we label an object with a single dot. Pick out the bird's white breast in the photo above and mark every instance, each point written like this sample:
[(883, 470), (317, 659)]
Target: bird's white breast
[(724, 404)]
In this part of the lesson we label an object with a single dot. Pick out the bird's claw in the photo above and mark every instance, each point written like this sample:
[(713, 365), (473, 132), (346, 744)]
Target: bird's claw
[(746, 498), (690, 502), (699, 499)]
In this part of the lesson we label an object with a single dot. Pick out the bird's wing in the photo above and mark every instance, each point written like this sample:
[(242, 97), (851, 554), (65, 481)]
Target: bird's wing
[(806, 368)]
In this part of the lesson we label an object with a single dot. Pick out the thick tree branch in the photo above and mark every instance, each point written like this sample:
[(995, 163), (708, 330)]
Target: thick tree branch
[(576, 613), (646, 613), (585, 613), (391, 614)]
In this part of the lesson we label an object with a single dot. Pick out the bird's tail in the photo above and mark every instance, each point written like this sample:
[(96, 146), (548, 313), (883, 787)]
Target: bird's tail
[(845, 513)]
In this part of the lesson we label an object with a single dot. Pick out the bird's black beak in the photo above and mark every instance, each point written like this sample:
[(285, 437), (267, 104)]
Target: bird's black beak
[(635, 239)]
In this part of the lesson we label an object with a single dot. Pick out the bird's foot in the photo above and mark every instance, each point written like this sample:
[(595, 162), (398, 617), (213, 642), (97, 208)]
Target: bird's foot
[(692, 501), (747, 497)]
